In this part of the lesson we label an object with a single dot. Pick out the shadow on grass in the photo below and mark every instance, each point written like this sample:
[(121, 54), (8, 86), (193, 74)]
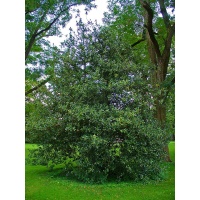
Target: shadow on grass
[(60, 173), (63, 173)]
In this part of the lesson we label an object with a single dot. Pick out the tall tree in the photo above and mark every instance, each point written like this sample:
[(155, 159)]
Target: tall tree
[(151, 21), (160, 58)]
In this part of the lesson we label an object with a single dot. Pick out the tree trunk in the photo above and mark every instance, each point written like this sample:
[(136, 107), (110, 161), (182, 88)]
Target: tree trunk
[(167, 158), (161, 117), (159, 59)]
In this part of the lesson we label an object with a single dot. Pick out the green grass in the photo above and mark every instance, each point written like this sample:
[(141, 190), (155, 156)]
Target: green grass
[(42, 184)]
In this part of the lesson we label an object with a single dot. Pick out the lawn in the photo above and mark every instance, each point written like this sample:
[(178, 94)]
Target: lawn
[(42, 184)]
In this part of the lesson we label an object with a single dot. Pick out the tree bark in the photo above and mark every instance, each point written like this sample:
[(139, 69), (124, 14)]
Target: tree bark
[(161, 117), (167, 158), (159, 59), (38, 86)]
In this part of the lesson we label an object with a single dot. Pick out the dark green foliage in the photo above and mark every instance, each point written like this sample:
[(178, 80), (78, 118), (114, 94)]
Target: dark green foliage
[(118, 144), (105, 143), (99, 113)]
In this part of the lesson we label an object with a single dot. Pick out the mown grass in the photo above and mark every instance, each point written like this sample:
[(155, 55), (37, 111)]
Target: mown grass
[(42, 184)]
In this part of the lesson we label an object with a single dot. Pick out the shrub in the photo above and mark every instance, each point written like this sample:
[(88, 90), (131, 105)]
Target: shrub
[(106, 143), (118, 144)]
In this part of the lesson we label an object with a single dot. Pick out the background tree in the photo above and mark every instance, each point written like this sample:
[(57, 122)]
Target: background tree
[(149, 21), (45, 19)]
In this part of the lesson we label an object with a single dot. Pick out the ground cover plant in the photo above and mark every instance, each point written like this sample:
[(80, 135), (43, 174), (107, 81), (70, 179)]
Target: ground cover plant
[(41, 184)]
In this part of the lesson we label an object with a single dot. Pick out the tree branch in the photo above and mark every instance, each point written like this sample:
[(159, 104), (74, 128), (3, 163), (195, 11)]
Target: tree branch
[(139, 41), (38, 86), (50, 25), (30, 11), (164, 13), (149, 26), (33, 37), (30, 44), (36, 33), (166, 51)]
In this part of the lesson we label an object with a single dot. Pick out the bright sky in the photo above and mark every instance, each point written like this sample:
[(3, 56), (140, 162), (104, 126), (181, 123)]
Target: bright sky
[(94, 14)]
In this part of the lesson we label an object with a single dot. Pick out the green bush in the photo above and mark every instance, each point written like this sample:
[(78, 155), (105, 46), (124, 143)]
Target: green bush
[(118, 144), (106, 143)]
